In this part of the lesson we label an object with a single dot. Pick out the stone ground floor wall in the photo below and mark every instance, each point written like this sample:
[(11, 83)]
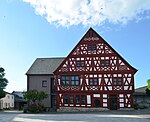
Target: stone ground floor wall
[(80, 109)]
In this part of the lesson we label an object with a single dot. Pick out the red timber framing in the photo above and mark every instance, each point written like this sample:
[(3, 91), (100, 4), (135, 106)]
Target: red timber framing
[(94, 75)]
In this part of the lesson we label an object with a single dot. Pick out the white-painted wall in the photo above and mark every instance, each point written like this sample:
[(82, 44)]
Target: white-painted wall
[(7, 101)]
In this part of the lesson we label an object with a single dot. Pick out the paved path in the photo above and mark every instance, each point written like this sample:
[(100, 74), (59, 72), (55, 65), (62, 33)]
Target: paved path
[(12, 116)]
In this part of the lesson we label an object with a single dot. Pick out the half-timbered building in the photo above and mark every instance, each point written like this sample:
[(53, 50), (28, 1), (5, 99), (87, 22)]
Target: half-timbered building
[(94, 75)]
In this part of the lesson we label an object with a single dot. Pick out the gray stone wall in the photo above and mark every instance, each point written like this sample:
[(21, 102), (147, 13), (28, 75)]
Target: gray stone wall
[(79, 109)]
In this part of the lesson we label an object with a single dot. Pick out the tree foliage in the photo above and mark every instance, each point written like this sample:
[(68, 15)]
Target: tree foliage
[(34, 99), (34, 96), (148, 82), (3, 82), (148, 87)]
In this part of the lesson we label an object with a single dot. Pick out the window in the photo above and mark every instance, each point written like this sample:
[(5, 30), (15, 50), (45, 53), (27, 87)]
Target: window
[(12, 97), (105, 63), (71, 99), (93, 81), (80, 63), (91, 47), (44, 83), (65, 99), (8, 96), (77, 99), (83, 99), (72, 80), (117, 81), (8, 105)]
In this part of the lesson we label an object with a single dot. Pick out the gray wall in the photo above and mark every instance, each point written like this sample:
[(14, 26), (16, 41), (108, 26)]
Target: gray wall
[(35, 82), (142, 100)]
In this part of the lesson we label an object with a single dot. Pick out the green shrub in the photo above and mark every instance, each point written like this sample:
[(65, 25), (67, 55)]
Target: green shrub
[(25, 110), (136, 107), (34, 108)]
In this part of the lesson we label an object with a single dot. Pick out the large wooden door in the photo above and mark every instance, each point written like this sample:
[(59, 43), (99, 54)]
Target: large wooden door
[(113, 102)]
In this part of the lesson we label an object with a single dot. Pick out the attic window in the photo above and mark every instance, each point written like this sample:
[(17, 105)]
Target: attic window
[(80, 63), (105, 63), (91, 47)]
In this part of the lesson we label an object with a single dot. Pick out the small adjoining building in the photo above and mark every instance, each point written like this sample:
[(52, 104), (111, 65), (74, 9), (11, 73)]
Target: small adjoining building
[(93, 77), (40, 77), (140, 96), (19, 100), (7, 102)]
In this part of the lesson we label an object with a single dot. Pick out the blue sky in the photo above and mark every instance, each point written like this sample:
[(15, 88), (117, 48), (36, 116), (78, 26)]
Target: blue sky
[(31, 29)]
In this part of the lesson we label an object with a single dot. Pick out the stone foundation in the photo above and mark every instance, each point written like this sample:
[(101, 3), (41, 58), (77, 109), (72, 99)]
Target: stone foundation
[(80, 109), (126, 109)]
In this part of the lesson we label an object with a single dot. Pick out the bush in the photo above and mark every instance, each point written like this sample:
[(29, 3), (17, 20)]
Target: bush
[(136, 107), (34, 108), (25, 110)]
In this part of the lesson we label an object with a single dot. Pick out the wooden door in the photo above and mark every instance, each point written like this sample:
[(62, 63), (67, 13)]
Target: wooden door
[(113, 102)]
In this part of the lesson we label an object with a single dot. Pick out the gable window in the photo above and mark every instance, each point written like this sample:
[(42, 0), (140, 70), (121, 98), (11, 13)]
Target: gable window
[(117, 81), (93, 81), (80, 63), (91, 47), (44, 83), (105, 63), (72, 80), (65, 99)]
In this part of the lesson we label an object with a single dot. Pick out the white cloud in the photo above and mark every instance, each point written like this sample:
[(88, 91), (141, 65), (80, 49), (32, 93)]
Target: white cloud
[(90, 12)]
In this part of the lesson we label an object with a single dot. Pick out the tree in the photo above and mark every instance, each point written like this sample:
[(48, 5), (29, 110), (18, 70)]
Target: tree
[(34, 96), (148, 87), (34, 99), (3, 82)]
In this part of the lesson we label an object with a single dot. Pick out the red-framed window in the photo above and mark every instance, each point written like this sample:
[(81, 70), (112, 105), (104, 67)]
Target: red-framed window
[(80, 63), (105, 63), (70, 80), (118, 81), (65, 99), (91, 47), (71, 99), (93, 81), (75, 99)]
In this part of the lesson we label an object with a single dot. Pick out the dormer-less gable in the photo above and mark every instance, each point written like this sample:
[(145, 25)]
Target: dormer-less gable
[(93, 54)]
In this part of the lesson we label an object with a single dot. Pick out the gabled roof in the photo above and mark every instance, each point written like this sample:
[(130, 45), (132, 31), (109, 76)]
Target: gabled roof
[(91, 30), (44, 66), (141, 89), (18, 96), (18, 93)]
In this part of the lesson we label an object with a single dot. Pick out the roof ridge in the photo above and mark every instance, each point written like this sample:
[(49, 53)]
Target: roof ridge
[(52, 58)]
